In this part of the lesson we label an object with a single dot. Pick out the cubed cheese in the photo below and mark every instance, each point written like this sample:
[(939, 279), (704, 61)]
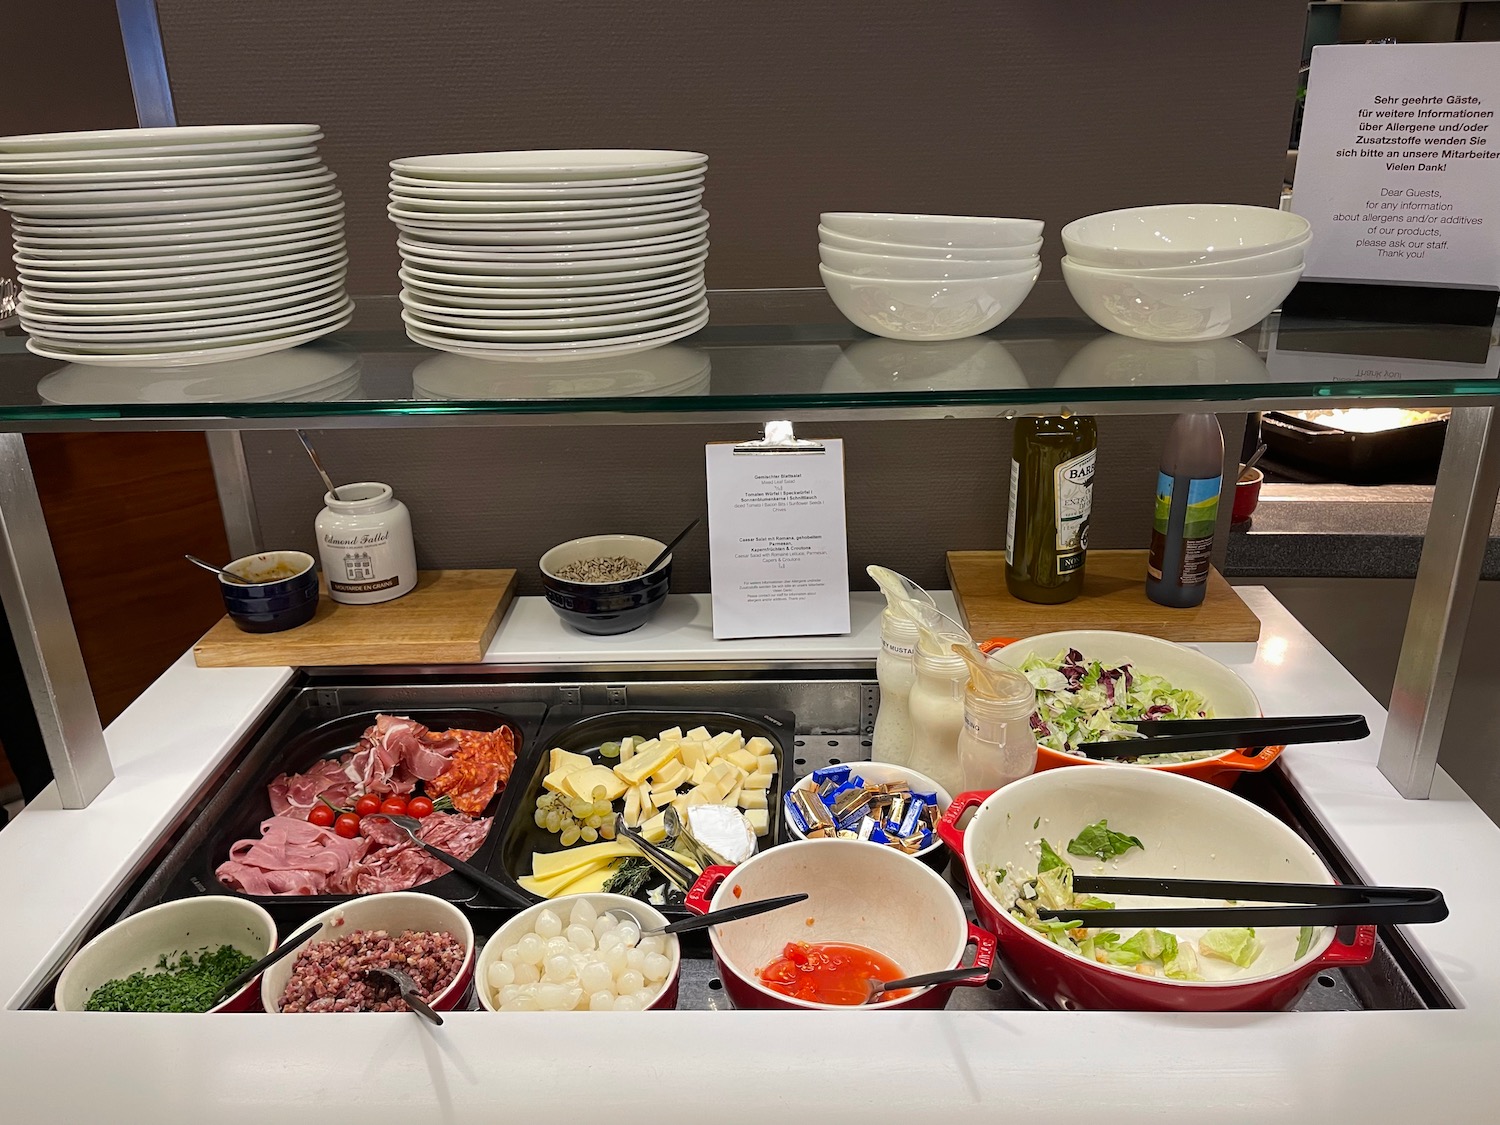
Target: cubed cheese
[(632, 807), (744, 759), (733, 796), (644, 764), (760, 746), (760, 820), (713, 791), (696, 796), (700, 771), (673, 776), (672, 734), (767, 764), (563, 761), (720, 742), (693, 753), (587, 783), (655, 829), (752, 799), (758, 781), (627, 747), (697, 734)]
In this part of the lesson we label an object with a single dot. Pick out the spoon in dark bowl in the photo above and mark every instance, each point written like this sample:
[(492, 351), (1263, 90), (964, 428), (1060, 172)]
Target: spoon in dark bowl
[(667, 550), (291, 945), (219, 570), (482, 879), (409, 992)]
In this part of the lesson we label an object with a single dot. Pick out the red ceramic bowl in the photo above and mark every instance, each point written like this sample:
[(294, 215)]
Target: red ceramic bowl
[(1247, 496), (393, 912), (1190, 831), (184, 925), (861, 893)]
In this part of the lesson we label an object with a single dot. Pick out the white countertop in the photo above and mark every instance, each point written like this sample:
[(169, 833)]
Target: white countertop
[(1371, 1067)]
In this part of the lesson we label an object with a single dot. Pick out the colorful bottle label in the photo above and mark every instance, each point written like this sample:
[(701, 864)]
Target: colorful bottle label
[(1073, 490), (1200, 518)]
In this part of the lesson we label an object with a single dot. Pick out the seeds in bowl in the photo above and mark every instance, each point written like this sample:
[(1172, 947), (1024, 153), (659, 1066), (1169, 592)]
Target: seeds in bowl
[(607, 568)]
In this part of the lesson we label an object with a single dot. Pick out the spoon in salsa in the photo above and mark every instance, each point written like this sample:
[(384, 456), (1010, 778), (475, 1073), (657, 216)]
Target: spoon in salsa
[(921, 980)]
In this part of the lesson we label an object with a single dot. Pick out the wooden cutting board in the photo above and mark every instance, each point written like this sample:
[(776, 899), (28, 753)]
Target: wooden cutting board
[(1114, 597), (449, 618)]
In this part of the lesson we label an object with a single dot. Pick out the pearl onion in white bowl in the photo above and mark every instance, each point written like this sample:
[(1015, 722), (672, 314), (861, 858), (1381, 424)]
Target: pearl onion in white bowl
[(578, 953)]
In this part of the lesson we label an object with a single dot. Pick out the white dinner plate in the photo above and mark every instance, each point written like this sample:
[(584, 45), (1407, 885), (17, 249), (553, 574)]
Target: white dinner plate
[(622, 185), (72, 261), (229, 150), (125, 165), (507, 198), (172, 208), (51, 183), (239, 219), (511, 270), (556, 318), (70, 250), (464, 209), (611, 232), (549, 164), (82, 314), (86, 191), (210, 328), (157, 200), (296, 372), (88, 140), (171, 347), (543, 353), (541, 290), (554, 255), (507, 224), (497, 283), (548, 299), (191, 301), (150, 274), (522, 337), (327, 260), (192, 356)]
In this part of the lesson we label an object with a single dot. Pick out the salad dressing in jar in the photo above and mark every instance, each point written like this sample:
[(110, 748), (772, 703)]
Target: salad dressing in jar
[(997, 745), (895, 667), (937, 696)]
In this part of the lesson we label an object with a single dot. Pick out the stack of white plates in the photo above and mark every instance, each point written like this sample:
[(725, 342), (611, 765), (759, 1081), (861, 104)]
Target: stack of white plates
[(169, 247), (551, 254)]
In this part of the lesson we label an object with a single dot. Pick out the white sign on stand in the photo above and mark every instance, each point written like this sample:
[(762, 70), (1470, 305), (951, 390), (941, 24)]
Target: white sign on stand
[(778, 549), (1398, 168)]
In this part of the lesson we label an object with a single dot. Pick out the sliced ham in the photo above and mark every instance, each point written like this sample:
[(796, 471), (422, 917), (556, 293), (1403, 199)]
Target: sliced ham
[(395, 863), (294, 794), (290, 857)]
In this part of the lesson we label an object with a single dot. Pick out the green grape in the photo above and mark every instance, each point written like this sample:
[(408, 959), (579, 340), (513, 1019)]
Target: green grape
[(569, 835), (540, 818), (607, 831), (589, 835), (602, 808), (554, 822), (609, 750)]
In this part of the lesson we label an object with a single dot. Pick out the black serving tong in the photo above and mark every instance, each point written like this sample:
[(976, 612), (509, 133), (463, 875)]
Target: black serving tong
[(1312, 904), (1181, 736)]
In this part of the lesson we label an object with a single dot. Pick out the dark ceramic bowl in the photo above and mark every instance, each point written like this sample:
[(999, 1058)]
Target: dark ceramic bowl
[(606, 608), (272, 602)]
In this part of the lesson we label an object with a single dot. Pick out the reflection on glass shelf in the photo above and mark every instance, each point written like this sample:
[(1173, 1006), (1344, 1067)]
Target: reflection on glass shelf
[(321, 372), (371, 370), (669, 370)]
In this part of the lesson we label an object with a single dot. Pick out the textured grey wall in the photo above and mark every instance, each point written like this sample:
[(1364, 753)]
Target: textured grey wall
[(501, 497), (1045, 108)]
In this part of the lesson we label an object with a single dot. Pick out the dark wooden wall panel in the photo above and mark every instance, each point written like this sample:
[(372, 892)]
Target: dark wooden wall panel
[(1047, 108)]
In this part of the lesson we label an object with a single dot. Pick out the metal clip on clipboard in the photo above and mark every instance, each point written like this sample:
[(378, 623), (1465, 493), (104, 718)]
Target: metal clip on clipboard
[(779, 438)]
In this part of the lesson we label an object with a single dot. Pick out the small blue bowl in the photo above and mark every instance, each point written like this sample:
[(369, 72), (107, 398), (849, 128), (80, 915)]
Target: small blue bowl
[(606, 608), (282, 591)]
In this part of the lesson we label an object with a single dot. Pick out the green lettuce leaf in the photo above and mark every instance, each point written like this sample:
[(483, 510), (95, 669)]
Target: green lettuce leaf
[(1184, 966), (1054, 888), (1238, 946), (1050, 859), (1304, 941), (1146, 945), (1100, 840), (1089, 902)]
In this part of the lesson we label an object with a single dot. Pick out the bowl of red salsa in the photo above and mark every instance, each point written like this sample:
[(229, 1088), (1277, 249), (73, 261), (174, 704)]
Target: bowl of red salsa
[(871, 913)]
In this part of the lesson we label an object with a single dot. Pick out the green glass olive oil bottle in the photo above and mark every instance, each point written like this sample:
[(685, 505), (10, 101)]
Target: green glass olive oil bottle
[(1051, 497)]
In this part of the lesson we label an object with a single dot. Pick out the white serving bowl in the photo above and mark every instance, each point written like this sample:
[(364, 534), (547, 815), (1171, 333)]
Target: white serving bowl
[(830, 237), (524, 922), (903, 309), (951, 231), (1180, 234), (185, 925), (1257, 265), (922, 269), (1165, 308)]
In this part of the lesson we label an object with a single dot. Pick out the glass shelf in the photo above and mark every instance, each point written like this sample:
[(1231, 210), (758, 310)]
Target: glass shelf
[(371, 374)]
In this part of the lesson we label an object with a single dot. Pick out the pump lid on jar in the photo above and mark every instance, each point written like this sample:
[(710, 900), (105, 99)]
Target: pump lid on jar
[(996, 683), (937, 633), (898, 590)]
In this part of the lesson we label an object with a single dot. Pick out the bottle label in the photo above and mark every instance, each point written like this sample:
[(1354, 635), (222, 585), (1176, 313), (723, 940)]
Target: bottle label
[(971, 724), (1010, 518), (896, 649), (1198, 522), (1073, 488)]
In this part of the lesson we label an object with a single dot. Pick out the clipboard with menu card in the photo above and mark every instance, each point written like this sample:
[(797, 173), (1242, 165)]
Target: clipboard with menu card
[(778, 544)]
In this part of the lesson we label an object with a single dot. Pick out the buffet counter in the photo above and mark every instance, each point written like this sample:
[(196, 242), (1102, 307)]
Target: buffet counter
[(60, 870)]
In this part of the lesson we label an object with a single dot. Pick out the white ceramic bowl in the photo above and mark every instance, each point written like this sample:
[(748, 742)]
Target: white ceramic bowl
[(927, 310), (880, 773), (831, 237), (524, 922), (952, 231), (1257, 265), (185, 925), (1180, 234), (1190, 308), (393, 912), (922, 269)]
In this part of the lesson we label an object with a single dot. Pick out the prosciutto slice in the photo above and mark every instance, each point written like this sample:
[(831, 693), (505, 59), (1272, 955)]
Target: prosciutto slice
[(294, 794), (395, 754), (395, 863), (291, 857)]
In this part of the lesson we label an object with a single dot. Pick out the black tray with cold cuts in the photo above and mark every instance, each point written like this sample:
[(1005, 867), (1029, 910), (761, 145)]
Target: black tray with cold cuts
[(241, 821), (581, 731)]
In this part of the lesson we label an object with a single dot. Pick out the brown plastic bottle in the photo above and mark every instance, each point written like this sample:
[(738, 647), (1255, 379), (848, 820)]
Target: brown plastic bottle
[(1051, 497), (1187, 510)]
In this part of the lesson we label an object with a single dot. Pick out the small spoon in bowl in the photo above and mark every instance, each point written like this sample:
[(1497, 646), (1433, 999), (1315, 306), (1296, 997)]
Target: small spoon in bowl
[(409, 992), (921, 980), (667, 550), (219, 570)]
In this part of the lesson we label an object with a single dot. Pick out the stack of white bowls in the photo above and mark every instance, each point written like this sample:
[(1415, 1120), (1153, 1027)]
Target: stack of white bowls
[(927, 277), (170, 247), (552, 254), (1183, 271)]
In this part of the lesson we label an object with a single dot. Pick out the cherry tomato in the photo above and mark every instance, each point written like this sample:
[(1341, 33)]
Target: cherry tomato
[(394, 806), (368, 805), (419, 807), (321, 815), (347, 825)]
